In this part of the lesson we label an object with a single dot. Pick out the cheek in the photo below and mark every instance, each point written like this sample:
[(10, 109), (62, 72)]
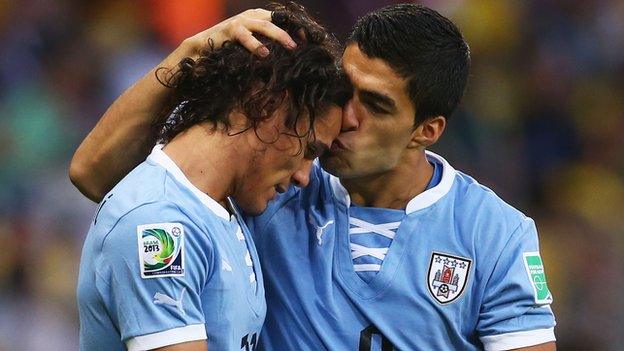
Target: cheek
[(383, 135)]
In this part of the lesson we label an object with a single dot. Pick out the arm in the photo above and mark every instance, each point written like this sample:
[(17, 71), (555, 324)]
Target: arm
[(121, 139), (187, 346), (515, 312), (152, 311), (549, 346)]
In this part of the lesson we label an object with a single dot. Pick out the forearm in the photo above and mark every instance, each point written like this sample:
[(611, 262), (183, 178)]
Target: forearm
[(549, 346), (122, 138)]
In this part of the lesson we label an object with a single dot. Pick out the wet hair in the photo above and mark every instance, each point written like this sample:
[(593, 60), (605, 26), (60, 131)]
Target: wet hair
[(307, 79), (423, 47)]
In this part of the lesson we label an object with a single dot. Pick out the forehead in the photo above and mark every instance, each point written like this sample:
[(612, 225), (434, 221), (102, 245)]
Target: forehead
[(373, 74)]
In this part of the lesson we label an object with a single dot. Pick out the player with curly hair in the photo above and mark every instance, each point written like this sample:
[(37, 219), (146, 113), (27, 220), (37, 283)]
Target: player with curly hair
[(168, 262)]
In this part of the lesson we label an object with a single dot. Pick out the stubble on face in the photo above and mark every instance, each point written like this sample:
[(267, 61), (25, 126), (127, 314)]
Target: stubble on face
[(377, 121)]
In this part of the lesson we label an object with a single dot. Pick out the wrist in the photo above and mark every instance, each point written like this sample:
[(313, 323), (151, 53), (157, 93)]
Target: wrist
[(188, 48)]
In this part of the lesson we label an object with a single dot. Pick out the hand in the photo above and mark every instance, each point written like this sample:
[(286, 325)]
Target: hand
[(240, 28)]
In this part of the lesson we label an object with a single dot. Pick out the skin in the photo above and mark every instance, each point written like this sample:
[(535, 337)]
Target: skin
[(378, 147), (247, 167)]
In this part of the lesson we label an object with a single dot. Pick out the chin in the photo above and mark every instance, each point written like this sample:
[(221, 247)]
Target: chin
[(335, 166), (255, 210), (252, 208)]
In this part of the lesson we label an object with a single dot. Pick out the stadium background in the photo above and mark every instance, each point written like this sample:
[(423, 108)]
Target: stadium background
[(542, 124)]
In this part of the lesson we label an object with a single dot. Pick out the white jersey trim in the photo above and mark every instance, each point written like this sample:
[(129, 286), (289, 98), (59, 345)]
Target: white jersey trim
[(339, 191), (431, 196), (516, 340), (420, 201), (367, 267), (161, 158), (168, 337)]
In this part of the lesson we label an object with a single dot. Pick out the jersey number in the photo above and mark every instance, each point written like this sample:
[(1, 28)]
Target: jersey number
[(366, 339), (249, 344)]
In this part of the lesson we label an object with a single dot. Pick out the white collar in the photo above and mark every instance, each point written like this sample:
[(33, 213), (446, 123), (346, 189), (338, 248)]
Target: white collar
[(159, 157), (418, 202)]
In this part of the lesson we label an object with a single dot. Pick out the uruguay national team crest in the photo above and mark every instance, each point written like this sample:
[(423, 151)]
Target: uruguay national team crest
[(161, 250), (448, 276)]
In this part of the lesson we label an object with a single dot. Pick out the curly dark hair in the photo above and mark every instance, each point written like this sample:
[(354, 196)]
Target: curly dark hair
[(307, 79)]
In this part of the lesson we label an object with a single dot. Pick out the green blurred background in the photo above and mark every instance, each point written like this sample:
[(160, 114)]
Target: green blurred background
[(542, 124)]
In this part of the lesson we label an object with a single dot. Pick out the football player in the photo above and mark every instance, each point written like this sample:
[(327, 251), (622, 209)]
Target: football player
[(168, 262)]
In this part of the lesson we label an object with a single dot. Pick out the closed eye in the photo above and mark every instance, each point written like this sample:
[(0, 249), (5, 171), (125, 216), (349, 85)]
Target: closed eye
[(376, 102), (374, 108)]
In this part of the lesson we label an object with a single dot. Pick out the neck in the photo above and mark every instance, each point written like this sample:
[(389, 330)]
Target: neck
[(393, 188), (209, 159)]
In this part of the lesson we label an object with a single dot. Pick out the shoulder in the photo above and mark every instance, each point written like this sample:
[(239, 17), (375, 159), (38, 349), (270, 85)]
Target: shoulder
[(494, 230), (164, 218), (145, 184), (148, 191), (475, 215), (153, 235), (480, 205)]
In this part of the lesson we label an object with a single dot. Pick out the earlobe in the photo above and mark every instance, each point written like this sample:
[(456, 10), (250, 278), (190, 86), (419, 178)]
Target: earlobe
[(237, 119), (428, 132)]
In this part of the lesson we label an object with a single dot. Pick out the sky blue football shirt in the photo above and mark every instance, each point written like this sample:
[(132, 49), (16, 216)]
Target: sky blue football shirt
[(163, 263), (463, 272)]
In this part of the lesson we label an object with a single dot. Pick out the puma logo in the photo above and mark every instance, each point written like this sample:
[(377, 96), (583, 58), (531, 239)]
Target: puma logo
[(162, 299), (320, 229)]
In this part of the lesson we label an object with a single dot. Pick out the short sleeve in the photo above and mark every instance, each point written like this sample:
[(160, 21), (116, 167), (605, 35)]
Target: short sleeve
[(516, 307), (156, 261)]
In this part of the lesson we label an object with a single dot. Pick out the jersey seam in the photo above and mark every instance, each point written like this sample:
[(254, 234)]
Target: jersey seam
[(512, 236), (105, 238), (498, 258), (162, 193), (213, 263)]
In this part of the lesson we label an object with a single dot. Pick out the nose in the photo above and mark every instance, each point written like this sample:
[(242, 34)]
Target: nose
[(301, 177), (349, 118)]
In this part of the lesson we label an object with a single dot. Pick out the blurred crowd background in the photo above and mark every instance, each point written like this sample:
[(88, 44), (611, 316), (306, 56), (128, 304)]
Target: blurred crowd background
[(542, 124)]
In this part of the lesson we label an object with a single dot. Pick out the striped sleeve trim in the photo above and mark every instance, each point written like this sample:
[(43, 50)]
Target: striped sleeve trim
[(516, 340), (168, 337)]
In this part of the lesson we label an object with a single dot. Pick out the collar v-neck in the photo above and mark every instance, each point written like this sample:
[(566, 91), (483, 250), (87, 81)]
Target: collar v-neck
[(418, 202), (343, 264)]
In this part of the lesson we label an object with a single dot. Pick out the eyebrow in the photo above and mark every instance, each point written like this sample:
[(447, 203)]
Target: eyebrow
[(382, 99)]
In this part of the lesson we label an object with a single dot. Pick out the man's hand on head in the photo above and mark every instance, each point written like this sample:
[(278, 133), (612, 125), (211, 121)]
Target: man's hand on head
[(241, 28)]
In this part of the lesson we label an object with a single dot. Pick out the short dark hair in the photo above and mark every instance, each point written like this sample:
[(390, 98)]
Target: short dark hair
[(307, 78), (422, 46)]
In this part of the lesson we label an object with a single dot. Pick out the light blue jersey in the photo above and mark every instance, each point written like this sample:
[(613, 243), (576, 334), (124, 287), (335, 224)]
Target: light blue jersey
[(462, 272), (163, 264), (372, 229)]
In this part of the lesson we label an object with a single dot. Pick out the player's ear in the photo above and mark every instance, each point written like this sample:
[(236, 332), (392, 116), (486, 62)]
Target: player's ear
[(428, 132), (237, 117)]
